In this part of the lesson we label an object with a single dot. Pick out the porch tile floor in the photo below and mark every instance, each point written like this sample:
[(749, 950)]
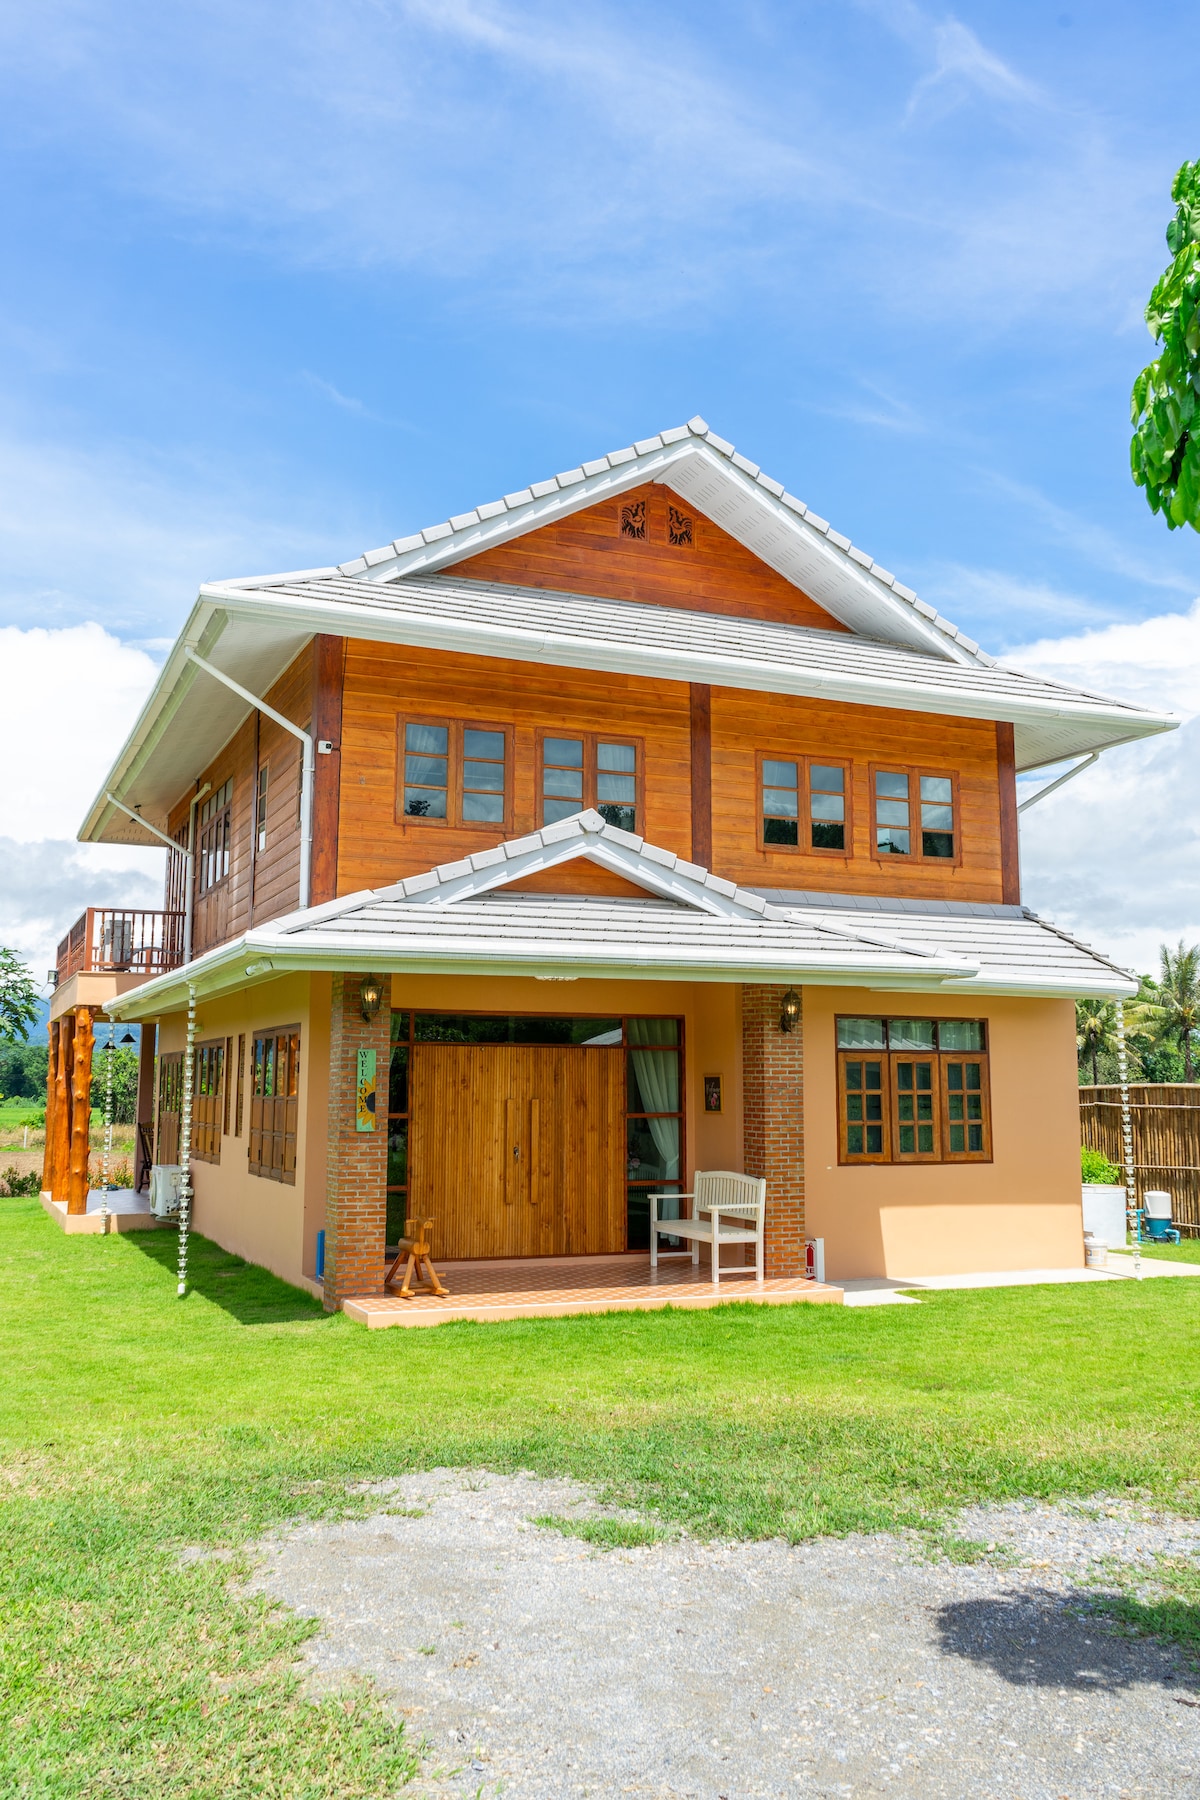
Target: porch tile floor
[(554, 1287)]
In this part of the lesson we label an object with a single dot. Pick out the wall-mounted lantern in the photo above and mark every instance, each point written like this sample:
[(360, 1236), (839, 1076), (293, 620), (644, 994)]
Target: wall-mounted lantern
[(371, 996), (789, 1016)]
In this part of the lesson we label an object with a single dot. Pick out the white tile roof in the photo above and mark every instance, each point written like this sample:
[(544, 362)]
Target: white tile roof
[(728, 488), (459, 919), (486, 618)]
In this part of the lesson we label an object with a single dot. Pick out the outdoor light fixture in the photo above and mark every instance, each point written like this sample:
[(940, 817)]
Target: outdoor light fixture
[(371, 994), (789, 1016)]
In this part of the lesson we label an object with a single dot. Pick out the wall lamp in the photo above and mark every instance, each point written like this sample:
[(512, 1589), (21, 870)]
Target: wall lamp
[(789, 1016), (371, 996)]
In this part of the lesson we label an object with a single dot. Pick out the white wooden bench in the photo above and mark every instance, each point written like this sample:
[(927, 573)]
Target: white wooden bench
[(719, 1197)]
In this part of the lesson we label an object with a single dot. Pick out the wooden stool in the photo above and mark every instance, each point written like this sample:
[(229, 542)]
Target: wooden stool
[(416, 1248)]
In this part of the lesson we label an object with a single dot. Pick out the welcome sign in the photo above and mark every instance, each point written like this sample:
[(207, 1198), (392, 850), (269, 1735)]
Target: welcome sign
[(365, 1119)]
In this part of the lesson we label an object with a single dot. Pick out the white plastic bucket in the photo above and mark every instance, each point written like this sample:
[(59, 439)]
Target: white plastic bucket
[(1095, 1252), (1158, 1203)]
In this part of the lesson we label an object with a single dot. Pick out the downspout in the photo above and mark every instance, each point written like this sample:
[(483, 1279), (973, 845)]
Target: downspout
[(1050, 787), (307, 767), (188, 857)]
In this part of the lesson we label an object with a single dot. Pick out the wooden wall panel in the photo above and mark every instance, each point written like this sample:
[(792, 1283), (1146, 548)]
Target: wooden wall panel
[(745, 724), (586, 554), (382, 681), (1010, 833), (261, 886)]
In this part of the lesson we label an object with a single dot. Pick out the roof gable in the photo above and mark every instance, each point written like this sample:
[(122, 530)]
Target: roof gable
[(708, 473), (681, 558)]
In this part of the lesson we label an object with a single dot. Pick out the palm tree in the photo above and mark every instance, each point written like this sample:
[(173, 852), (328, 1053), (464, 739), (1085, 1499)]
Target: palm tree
[(1176, 1007), (1095, 1031)]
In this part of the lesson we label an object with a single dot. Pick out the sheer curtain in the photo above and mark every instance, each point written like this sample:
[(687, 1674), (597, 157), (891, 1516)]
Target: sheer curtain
[(657, 1075)]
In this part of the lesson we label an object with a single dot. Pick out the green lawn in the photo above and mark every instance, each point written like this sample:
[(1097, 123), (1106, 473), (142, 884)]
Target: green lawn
[(1188, 1250), (133, 1424)]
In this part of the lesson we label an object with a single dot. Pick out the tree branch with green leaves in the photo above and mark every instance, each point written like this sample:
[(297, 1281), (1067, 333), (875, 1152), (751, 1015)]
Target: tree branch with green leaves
[(1165, 405), (18, 998)]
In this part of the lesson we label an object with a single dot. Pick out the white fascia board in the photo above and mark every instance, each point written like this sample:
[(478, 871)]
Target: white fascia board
[(522, 644), (1109, 986), (906, 625)]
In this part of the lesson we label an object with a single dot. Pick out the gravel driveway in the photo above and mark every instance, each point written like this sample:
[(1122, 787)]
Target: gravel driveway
[(538, 1667)]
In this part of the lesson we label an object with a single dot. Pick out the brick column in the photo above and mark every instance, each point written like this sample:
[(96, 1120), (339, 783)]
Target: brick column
[(773, 1108), (356, 1181)]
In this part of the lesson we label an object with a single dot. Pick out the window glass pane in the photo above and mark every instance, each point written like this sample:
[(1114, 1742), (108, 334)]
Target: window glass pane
[(891, 812), (781, 831), (779, 774), (891, 842), (638, 1215), (616, 787), (960, 1034), (425, 771), (486, 808), (483, 743), (780, 801), (568, 782), (652, 1147), (925, 1139), (937, 818), (854, 1140), (425, 803), (827, 806), (826, 780), (958, 1139), (972, 1075), (398, 1080), (399, 1027), (486, 775), (860, 1034), (434, 740), (954, 1074), (619, 757), (397, 1207), (826, 836), (874, 1140), (975, 1137), (907, 1140), (480, 1028), (397, 1163), (652, 1078), (937, 787), (894, 787), (937, 843), (563, 750), (623, 817), (910, 1034), (554, 810)]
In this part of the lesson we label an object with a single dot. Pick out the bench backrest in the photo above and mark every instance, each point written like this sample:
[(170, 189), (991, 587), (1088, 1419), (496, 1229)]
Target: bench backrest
[(720, 1190)]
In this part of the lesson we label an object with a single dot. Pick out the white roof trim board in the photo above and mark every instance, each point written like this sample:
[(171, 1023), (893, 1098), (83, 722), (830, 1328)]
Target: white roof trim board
[(456, 919), (729, 489)]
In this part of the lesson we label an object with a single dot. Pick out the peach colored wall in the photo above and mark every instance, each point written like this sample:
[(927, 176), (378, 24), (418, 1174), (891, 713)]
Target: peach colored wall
[(267, 1222), (1021, 1211)]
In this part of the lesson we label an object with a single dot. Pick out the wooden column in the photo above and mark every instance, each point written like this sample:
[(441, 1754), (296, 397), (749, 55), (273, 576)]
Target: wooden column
[(51, 1108), (701, 721), (329, 665), (144, 1111), (62, 1107), (1010, 838), (81, 1111)]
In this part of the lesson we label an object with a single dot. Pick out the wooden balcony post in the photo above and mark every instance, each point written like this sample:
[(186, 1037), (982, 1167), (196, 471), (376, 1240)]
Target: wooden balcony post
[(62, 1108), (51, 1108), (81, 1112)]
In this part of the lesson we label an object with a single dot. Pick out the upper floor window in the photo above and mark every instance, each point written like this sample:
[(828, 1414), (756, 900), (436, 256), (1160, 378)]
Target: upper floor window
[(453, 773), (913, 1090), (579, 772), (215, 823), (260, 808), (914, 814), (804, 805)]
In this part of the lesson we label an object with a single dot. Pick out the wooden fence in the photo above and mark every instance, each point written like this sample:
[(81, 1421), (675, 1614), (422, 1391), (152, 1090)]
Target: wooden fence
[(1166, 1139)]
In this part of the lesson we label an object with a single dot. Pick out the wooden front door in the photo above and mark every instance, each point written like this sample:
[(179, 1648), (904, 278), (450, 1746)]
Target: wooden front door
[(518, 1150)]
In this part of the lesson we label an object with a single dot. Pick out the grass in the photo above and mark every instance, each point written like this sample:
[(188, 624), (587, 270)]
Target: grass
[(605, 1534), (1164, 1603), (133, 1425), (1186, 1251)]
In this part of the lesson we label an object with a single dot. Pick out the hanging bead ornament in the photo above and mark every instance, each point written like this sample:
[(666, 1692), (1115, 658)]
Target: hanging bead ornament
[(185, 1142), (1127, 1141), (108, 1126)]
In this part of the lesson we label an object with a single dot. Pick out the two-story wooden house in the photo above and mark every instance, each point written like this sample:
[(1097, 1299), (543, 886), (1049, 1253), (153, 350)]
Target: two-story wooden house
[(631, 824)]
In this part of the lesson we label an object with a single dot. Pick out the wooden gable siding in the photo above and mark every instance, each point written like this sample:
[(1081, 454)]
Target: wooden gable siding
[(746, 725), (261, 884), (586, 554), (384, 682)]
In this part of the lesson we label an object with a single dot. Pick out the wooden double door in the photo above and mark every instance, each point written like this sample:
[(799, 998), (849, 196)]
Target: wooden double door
[(518, 1150)]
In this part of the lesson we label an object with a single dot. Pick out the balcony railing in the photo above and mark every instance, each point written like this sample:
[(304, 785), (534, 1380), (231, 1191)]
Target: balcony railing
[(121, 940)]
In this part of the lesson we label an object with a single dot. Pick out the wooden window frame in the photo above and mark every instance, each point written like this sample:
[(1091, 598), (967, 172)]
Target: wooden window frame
[(804, 806), (281, 1143), (208, 1099), (916, 855), (590, 740), (891, 1156), (203, 832), (262, 789), (454, 820)]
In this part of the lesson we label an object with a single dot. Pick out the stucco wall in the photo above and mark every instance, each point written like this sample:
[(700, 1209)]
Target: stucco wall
[(1020, 1211)]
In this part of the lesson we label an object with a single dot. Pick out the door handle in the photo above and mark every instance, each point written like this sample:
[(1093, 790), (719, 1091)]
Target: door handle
[(516, 1152)]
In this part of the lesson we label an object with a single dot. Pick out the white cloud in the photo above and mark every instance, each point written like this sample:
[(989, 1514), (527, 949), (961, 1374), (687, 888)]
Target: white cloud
[(45, 887), (1115, 855), (1004, 604)]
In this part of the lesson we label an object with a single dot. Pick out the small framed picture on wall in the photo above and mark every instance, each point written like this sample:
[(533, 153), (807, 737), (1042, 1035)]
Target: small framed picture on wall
[(712, 1093)]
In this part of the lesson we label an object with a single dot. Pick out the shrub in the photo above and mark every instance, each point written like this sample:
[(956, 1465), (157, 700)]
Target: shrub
[(13, 1182), (1097, 1170)]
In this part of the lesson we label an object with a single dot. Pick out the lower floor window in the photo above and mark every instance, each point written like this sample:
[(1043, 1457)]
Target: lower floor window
[(208, 1101), (913, 1090), (274, 1102)]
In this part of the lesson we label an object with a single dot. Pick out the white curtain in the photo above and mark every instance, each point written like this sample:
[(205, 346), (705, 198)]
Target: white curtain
[(657, 1075)]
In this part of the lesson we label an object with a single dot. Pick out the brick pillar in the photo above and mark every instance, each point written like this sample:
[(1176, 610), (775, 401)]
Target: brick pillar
[(773, 1109), (356, 1179)]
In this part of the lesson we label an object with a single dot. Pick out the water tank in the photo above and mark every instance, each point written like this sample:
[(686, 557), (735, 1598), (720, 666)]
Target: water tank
[(1157, 1203)]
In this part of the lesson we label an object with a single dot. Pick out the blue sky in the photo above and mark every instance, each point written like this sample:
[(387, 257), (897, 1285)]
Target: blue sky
[(282, 283)]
